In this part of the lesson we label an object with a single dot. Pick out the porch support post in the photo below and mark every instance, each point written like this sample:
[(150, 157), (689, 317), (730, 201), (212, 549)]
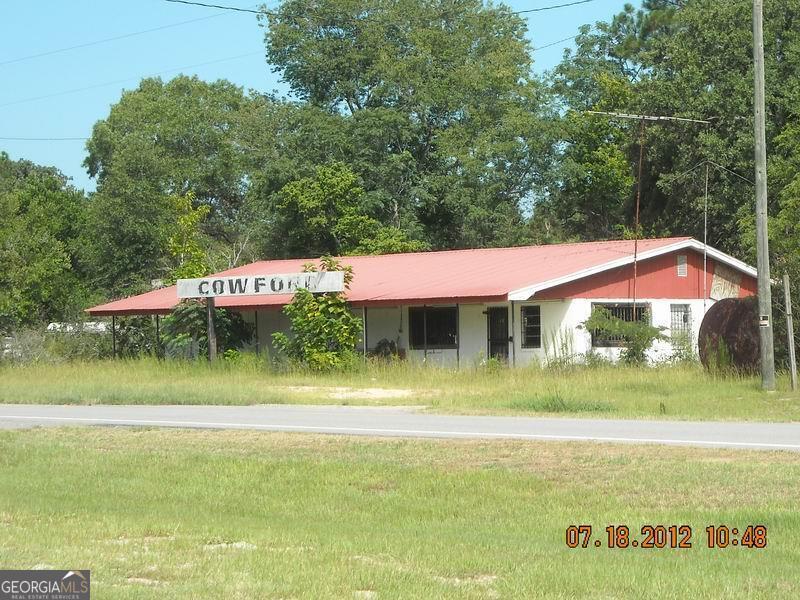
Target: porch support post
[(513, 337), (425, 331), (113, 336), (364, 327), (458, 336), (158, 336), (258, 338), (212, 334)]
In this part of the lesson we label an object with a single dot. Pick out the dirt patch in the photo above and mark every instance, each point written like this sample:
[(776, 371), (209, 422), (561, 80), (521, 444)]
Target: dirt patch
[(231, 545), (382, 560), (468, 580), (144, 581), (349, 393), (290, 549)]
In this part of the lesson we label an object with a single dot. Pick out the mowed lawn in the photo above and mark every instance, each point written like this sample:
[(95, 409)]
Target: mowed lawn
[(672, 392), (199, 514)]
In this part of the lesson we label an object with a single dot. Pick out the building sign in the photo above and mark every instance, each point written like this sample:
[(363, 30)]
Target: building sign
[(259, 285)]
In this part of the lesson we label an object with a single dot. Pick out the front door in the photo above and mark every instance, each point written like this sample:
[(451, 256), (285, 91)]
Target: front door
[(497, 320)]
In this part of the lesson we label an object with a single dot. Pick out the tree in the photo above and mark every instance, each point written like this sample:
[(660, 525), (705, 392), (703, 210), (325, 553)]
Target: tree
[(159, 141), (124, 243), (324, 331), (174, 138), (443, 117), (593, 187), (329, 214), (690, 59), (41, 278), (191, 259)]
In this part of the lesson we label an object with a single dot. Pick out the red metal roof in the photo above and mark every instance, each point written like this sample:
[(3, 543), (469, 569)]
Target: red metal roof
[(483, 275)]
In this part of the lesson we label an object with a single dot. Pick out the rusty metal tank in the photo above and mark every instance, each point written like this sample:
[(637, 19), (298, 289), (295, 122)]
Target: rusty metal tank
[(729, 335)]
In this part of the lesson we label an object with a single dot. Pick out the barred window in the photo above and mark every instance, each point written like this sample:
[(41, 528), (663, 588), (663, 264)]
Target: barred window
[(680, 319), (531, 327), (625, 312)]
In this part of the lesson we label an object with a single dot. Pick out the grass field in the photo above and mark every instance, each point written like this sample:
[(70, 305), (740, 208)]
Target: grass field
[(679, 392), (198, 514)]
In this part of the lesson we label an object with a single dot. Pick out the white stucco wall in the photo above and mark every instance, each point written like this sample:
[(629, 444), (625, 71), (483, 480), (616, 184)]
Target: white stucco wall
[(578, 310), (560, 320), (269, 322)]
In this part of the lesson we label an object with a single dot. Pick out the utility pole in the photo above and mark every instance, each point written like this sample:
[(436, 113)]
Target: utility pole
[(790, 332), (764, 291)]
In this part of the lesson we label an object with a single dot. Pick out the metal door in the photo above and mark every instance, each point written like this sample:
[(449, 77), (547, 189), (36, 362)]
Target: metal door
[(497, 326)]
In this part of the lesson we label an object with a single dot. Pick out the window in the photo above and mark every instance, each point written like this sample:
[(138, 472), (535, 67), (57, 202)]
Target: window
[(601, 339), (680, 322), (683, 269), (433, 327), (531, 327)]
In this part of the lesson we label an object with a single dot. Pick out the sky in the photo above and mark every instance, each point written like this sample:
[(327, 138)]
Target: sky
[(53, 89)]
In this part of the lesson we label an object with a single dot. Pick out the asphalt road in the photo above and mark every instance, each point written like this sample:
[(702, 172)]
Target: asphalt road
[(402, 422)]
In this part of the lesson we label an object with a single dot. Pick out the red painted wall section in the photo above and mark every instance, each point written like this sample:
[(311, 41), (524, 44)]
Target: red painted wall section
[(656, 278), (749, 287)]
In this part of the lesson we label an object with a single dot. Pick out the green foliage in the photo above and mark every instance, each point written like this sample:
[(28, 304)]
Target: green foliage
[(556, 402), (433, 105), (37, 345), (689, 59), (124, 241), (325, 214), (184, 332), (174, 138), (41, 278), (159, 141), (324, 331), (184, 244), (594, 179), (232, 356), (315, 213), (136, 337), (785, 224), (683, 351), (638, 335), (720, 360), (387, 240)]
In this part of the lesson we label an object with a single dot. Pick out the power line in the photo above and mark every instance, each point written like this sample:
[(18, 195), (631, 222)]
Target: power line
[(533, 10), (220, 6), (257, 12), (99, 85), (572, 37), (106, 40)]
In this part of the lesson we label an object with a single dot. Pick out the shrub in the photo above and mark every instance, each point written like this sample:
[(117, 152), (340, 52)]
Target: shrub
[(682, 350), (40, 345), (386, 349), (720, 360), (324, 331), (638, 335), (185, 331)]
